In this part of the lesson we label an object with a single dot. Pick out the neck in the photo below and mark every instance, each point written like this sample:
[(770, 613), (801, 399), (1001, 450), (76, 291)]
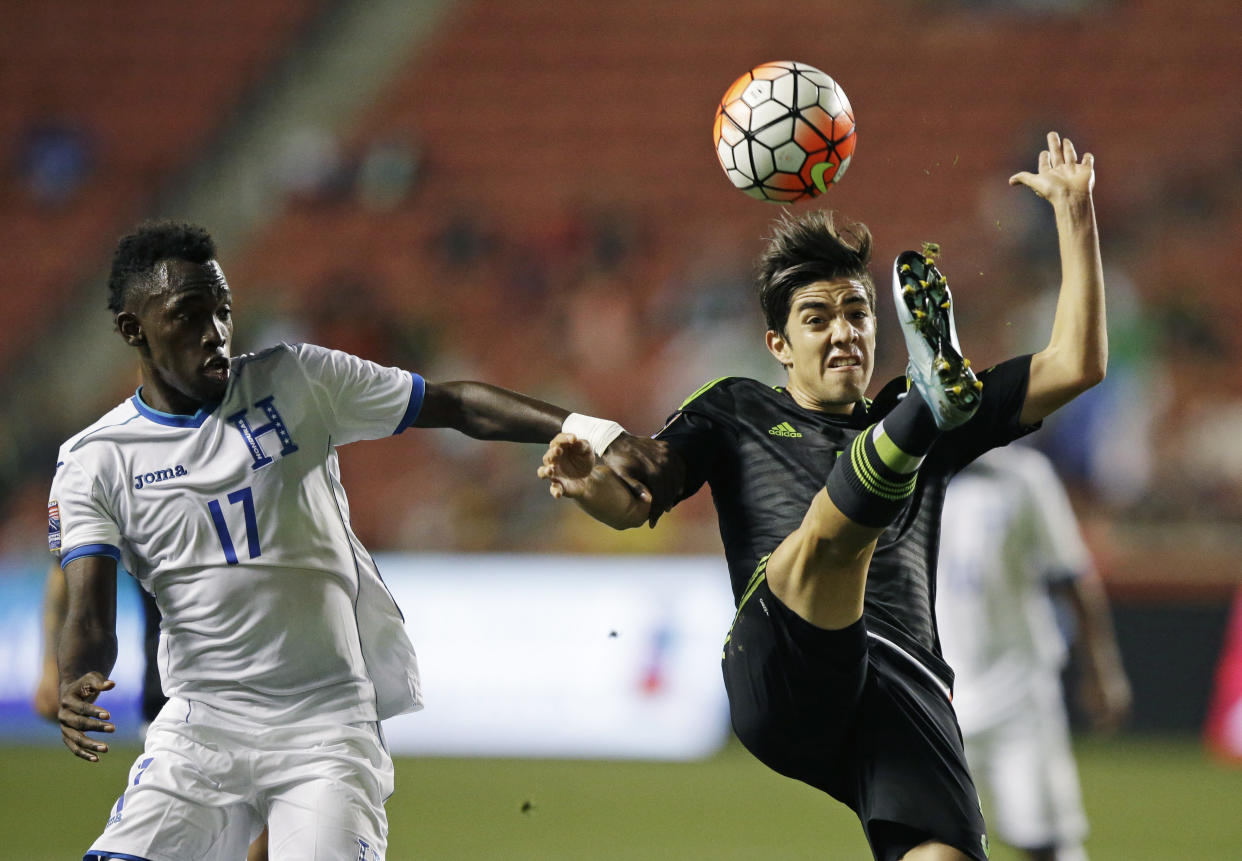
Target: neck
[(809, 403), (158, 395)]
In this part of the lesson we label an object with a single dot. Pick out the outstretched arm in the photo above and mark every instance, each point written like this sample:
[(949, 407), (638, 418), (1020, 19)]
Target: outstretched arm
[(571, 470), (86, 652), (1077, 353), (489, 412)]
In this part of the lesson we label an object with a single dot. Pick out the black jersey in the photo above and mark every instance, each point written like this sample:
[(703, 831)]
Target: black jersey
[(765, 457)]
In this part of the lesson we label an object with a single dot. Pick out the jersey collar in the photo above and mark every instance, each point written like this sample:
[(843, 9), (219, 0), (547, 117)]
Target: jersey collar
[(173, 420), (857, 418)]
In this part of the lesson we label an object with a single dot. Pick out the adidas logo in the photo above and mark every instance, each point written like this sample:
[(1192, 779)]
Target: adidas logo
[(784, 429)]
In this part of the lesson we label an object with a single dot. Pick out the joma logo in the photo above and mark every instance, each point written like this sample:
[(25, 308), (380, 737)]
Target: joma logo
[(143, 479)]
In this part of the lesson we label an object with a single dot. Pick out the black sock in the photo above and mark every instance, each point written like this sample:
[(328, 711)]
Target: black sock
[(911, 425), (864, 487)]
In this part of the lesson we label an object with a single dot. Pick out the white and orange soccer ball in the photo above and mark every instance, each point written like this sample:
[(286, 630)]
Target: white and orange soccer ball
[(784, 131)]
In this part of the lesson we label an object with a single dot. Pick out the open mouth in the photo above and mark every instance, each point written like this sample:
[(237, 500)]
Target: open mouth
[(840, 362), (216, 368)]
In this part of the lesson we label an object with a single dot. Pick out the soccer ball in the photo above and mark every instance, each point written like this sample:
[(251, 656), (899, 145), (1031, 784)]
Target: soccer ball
[(784, 132)]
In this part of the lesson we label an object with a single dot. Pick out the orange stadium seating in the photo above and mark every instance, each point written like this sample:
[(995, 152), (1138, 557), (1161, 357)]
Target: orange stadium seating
[(533, 117), (146, 89)]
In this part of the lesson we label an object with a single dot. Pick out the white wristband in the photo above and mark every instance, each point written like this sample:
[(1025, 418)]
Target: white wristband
[(598, 432)]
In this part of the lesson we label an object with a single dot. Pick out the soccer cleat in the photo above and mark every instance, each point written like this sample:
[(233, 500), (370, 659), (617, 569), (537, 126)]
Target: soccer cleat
[(936, 368)]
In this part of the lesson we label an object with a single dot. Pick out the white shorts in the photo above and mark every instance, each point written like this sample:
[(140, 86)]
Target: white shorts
[(207, 782), (1025, 767)]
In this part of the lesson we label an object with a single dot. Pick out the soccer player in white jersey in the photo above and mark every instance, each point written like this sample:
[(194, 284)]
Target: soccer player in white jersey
[(217, 487), (1009, 543)]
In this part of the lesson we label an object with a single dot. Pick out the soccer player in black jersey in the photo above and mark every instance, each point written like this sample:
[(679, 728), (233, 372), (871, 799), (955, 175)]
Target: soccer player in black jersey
[(829, 507)]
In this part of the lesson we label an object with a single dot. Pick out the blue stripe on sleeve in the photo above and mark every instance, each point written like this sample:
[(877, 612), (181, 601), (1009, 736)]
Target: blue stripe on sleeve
[(417, 390), (90, 550)]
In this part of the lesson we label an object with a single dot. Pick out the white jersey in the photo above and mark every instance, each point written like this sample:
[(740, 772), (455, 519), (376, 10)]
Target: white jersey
[(1007, 533), (235, 520)]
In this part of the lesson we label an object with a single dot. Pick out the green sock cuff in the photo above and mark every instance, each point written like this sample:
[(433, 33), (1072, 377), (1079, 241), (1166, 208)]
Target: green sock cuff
[(892, 455)]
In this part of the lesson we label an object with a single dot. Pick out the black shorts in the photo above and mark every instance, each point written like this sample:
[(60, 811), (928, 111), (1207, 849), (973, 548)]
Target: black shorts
[(855, 718)]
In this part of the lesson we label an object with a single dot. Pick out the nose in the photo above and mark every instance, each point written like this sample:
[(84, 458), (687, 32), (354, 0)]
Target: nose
[(215, 335), (842, 332)]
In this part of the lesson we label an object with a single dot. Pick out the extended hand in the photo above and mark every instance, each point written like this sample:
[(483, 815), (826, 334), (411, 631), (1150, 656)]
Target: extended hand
[(649, 470), (1106, 701), (79, 715), (1061, 173), (567, 466)]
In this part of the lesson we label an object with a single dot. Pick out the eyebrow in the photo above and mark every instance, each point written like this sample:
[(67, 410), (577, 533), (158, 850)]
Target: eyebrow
[(852, 299), (193, 296)]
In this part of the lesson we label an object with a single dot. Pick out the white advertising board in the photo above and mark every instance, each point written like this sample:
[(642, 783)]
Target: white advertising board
[(540, 656)]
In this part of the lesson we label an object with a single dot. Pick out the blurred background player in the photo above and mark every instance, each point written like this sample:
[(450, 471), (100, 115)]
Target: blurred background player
[(1009, 547)]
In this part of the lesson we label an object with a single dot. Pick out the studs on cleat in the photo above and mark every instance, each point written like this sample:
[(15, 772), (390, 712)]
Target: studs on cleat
[(905, 267), (978, 385), (946, 303)]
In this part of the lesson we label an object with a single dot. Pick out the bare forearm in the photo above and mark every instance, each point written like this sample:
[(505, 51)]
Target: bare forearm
[(84, 647), (489, 412), (1079, 333), (1097, 640), (87, 638), (1076, 357)]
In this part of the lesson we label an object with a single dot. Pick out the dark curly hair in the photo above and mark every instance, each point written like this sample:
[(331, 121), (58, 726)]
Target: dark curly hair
[(807, 249), (152, 241)]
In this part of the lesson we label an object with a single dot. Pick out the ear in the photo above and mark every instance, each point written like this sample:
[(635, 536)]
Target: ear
[(131, 329), (778, 347)]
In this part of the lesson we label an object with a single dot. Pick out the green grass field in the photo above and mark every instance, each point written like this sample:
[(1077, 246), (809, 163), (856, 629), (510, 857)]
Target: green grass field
[(1147, 798)]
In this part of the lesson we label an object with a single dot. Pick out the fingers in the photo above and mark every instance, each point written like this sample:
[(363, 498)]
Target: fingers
[(81, 746), (1060, 151), (637, 488), (1055, 153), (1021, 178), (563, 445), (1068, 154), (79, 715)]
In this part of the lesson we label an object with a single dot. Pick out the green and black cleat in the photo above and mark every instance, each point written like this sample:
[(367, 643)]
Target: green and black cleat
[(936, 368)]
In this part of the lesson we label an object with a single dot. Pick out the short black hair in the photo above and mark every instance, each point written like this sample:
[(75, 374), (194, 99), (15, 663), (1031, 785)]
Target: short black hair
[(138, 252), (807, 249)]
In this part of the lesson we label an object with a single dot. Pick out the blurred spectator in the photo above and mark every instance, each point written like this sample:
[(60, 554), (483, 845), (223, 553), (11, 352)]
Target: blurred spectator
[(388, 173), (310, 168), (348, 313), (55, 158)]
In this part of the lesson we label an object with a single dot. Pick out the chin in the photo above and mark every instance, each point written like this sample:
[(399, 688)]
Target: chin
[(213, 393)]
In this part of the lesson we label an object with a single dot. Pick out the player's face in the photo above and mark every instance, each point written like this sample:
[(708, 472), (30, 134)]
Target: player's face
[(186, 326), (829, 350)]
